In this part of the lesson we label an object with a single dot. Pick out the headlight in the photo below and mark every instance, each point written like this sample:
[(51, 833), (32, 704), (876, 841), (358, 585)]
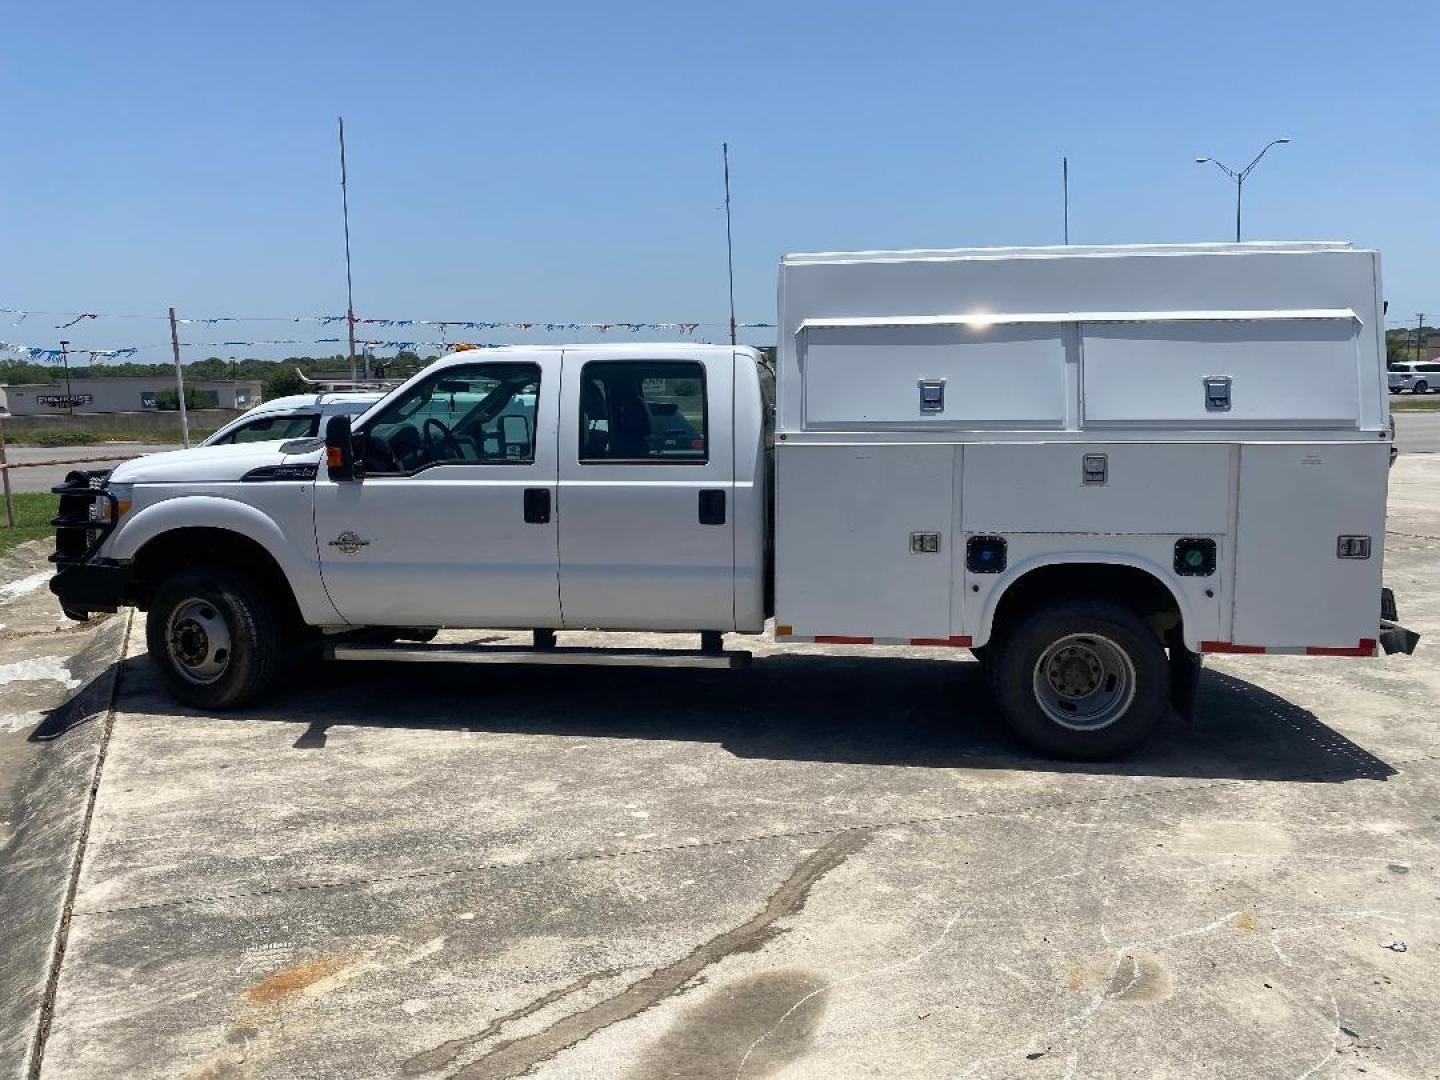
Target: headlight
[(102, 507)]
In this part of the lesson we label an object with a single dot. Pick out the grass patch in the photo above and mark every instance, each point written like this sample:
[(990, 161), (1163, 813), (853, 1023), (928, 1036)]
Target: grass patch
[(33, 511), (1415, 402), (70, 437), (61, 437)]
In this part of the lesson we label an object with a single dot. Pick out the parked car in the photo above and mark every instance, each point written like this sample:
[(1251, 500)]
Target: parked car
[(1419, 377), (298, 416)]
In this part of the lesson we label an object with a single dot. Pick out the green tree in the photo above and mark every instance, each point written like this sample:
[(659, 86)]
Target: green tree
[(169, 400), (283, 381)]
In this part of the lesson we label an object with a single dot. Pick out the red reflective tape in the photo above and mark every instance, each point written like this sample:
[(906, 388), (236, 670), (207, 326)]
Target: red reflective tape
[(962, 640), (840, 639), (1228, 647), (1367, 647)]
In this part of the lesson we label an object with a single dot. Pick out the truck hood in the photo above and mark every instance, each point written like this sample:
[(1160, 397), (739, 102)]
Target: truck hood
[(215, 464)]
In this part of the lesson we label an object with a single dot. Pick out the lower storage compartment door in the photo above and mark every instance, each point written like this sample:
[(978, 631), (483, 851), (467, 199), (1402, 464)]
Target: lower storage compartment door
[(845, 518), (1296, 501)]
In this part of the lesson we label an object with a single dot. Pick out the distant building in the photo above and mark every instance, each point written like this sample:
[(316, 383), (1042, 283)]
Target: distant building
[(116, 393), (1430, 345)]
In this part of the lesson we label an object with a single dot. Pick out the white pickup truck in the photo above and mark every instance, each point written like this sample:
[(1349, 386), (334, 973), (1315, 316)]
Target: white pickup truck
[(1088, 465)]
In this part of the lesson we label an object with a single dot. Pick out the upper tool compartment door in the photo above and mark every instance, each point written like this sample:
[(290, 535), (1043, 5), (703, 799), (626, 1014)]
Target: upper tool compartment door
[(1285, 372), (862, 376)]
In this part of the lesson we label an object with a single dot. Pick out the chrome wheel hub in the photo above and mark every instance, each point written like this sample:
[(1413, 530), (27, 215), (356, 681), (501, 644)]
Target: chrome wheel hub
[(198, 641), (1084, 682)]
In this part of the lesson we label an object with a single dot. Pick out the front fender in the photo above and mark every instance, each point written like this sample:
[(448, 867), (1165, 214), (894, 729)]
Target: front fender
[(1190, 616), (292, 548)]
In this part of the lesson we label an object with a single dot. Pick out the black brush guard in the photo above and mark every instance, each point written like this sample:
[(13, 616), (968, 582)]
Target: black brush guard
[(79, 530)]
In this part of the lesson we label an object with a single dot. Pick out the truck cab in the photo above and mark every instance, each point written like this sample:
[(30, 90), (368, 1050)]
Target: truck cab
[(588, 487)]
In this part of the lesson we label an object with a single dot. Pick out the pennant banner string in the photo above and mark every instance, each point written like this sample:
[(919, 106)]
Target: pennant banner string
[(549, 325)]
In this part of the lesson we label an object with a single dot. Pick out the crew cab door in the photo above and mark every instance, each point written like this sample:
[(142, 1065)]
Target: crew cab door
[(646, 499), (454, 523)]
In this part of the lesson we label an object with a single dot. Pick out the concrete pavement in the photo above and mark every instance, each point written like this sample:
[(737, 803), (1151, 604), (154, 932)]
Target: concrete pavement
[(823, 866), (55, 695)]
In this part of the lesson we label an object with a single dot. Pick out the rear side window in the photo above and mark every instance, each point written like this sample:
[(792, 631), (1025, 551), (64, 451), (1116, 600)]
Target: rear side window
[(1427, 367), (273, 427), (651, 412)]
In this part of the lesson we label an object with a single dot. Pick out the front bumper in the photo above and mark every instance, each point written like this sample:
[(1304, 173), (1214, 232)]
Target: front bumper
[(102, 585)]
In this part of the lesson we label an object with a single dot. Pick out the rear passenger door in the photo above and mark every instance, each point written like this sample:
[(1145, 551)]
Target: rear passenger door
[(646, 491)]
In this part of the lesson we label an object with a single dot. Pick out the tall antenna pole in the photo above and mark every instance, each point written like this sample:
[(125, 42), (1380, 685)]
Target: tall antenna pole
[(349, 290), (179, 382), (1419, 337), (1065, 192), (729, 244)]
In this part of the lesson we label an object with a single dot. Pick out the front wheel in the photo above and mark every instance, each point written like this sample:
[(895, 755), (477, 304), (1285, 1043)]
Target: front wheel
[(1085, 680), (1422, 387), (214, 636)]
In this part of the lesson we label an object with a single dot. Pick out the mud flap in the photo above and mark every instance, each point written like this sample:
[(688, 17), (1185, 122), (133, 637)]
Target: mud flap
[(1184, 680)]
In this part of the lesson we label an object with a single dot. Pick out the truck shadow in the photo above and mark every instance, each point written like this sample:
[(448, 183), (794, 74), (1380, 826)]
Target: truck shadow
[(881, 711)]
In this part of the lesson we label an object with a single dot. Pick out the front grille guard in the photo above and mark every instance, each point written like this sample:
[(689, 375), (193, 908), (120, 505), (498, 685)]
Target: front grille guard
[(79, 532)]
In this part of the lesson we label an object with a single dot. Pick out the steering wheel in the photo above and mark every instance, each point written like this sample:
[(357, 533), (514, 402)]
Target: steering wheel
[(447, 439), (383, 457)]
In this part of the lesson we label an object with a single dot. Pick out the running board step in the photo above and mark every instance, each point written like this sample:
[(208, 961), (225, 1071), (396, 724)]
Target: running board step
[(523, 654)]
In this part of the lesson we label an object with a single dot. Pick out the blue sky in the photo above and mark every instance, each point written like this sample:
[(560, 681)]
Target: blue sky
[(556, 161)]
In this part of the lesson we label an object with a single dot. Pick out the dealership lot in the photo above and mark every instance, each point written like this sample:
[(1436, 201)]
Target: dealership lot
[(816, 867)]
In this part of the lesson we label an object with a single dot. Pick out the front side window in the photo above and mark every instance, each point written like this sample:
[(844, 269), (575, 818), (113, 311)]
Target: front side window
[(270, 428), (478, 414), (650, 411)]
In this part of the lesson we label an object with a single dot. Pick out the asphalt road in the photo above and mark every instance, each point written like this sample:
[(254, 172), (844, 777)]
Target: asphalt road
[(1417, 432), (44, 477)]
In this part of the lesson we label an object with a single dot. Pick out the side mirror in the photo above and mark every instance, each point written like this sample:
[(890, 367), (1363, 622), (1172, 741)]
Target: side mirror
[(340, 449), (515, 431)]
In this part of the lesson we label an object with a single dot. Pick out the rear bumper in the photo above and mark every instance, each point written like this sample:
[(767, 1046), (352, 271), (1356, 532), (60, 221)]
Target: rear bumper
[(103, 585), (1394, 638)]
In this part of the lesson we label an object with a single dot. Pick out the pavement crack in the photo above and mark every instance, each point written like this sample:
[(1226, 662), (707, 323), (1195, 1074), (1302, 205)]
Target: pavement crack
[(514, 1057), (68, 913), (446, 1053)]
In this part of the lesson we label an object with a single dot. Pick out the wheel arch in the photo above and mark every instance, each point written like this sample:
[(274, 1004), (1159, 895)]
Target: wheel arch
[(1131, 580), (181, 531)]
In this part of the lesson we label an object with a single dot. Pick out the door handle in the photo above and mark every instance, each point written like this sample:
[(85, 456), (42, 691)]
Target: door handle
[(712, 507), (537, 506)]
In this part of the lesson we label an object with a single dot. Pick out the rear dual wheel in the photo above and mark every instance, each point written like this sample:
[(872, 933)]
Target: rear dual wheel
[(1084, 680)]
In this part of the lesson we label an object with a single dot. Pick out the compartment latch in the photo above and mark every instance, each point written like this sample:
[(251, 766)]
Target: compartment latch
[(1217, 393), (932, 395)]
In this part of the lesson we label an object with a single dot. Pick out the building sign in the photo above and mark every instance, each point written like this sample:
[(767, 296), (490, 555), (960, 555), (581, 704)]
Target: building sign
[(64, 401)]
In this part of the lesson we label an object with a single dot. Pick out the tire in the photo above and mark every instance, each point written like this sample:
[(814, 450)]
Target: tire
[(214, 636), (1084, 680), (1422, 387)]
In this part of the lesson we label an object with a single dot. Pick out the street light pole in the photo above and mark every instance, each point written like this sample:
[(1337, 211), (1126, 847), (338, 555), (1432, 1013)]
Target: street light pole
[(1239, 176)]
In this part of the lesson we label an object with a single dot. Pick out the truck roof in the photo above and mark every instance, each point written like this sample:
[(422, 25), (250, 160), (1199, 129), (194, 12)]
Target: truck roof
[(1067, 251), (620, 349)]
